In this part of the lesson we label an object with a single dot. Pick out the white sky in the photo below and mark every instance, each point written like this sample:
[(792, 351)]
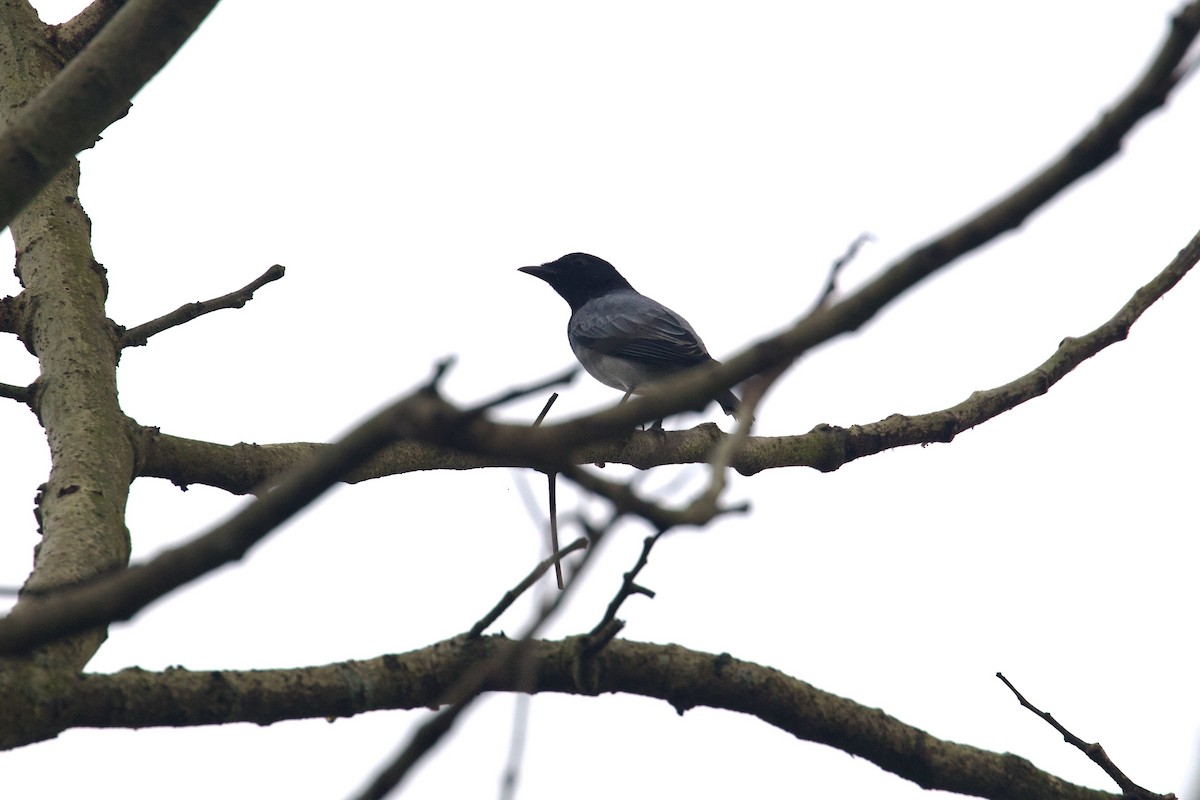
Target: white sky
[(403, 159)]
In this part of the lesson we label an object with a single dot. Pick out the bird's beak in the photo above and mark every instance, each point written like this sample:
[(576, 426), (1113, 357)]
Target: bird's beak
[(542, 272)]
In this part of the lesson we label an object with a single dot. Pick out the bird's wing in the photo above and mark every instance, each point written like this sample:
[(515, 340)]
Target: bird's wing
[(630, 325)]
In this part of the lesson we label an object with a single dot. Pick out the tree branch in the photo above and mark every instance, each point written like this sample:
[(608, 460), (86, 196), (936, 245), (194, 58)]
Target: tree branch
[(119, 595), (825, 448), (835, 269), (22, 394), (1098, 144), (73, 35), (136, 337), (239, 468), (91, 92), (1094, 751), (512, 594), (684, 678), (12, 311), (424, 416)]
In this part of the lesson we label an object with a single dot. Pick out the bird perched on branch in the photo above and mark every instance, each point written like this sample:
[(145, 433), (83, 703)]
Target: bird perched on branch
[(623, 338)]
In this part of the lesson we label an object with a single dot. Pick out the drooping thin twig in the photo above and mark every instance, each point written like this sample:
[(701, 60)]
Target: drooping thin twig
[(552, 490), (512, 594), (136, 337), (1092, 750)]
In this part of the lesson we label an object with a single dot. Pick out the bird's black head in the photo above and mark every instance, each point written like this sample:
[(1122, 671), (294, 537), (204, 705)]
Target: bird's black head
[(579, 277)]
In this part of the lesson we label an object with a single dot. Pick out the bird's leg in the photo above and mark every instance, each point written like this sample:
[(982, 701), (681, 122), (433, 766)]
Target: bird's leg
[(628, 392)]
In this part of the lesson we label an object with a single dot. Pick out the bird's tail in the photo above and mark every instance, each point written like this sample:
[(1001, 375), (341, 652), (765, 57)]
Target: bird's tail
[(730, 404)]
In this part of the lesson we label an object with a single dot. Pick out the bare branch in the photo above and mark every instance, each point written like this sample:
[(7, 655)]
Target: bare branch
[(423, 678), (239, 468), (830, 447), (136, 337), (825, 448), (12, 311), (552, 507), (545, 409), (836, 269), (1093, 751), (22, 394), (1098, 144), (701, 511), (608, 627), (512, 594), (511, 395), (73, 35), (119, 595), (552, 499), (425, 417), (513, 666), (91, 92)]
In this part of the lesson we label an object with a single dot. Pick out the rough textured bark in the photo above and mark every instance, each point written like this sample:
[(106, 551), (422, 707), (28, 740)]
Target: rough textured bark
[(81, 508), (422, 678)]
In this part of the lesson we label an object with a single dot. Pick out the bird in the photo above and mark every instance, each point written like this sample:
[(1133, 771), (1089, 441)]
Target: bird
[(621, 337)]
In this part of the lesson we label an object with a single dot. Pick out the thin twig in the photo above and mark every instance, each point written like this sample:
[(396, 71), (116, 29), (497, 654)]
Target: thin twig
[(545, 410), (427, 735), (1092, 750), (511, 395), (136, 337), (608, 627), (512, 594), (464, 692), (836, 268), (699, 512), (552, 489)]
